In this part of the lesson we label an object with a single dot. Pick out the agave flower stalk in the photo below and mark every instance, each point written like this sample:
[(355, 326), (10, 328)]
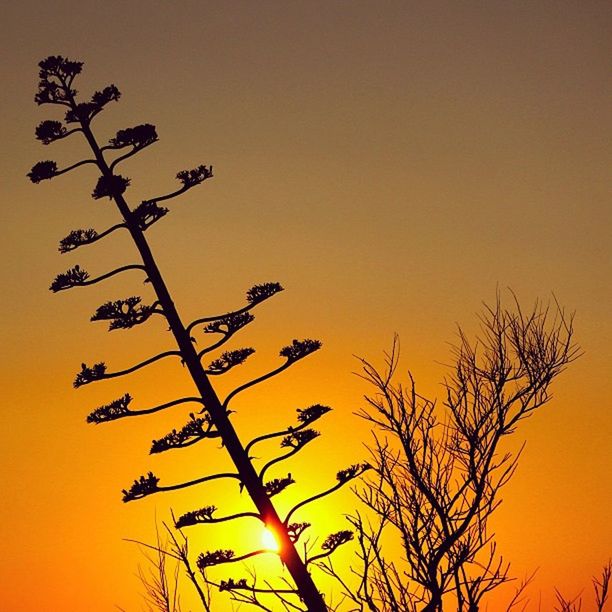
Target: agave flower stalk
[(57, 75)]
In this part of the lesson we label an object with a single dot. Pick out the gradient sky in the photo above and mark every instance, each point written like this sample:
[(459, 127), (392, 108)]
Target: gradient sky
[(392, 164)]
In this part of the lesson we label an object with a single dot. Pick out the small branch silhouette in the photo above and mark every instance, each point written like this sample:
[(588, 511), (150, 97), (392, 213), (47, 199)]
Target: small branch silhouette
[(147, 485), (80, 237), (196, 429), (119, 408), (296, 440), (343, 476), (333, 541), (305, 417), (294, 352), (98, 371), (124, 314), (189, 179), (77, 277), (255, 295), (205, 516)]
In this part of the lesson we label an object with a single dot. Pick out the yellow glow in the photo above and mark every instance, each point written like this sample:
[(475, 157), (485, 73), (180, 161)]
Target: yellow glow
[(268, 540)]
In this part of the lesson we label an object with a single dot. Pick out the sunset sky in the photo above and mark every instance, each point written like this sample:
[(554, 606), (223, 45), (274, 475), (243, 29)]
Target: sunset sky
[(392, 164)]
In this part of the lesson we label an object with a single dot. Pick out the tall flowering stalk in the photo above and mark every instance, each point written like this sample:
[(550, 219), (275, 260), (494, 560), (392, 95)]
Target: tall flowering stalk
[(212, 418)]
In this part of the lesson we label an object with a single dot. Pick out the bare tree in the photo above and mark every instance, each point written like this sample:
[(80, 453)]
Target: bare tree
[(601, 587), (160, 582), (160, 593), (439, 471), (211, 419), (567, 605)]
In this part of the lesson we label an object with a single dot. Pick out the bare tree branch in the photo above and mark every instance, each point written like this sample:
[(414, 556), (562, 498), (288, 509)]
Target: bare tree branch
[(439, 471)]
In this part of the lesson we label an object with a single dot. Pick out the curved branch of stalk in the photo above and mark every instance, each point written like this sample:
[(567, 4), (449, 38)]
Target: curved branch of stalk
[(216, 345), (73, 166), (255, 381), (322, 555), (223, 519), (183, 400), (207, 435), (223, 316), (65, 135), (254, 553), (314, 498), (140, 365), (98, 279), (276, 460), (96, 237), (276, 434), (190, 483), (130, 153), (173, 194)]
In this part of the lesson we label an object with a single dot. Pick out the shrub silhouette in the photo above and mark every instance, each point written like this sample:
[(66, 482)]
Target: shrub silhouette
[(438, 471)]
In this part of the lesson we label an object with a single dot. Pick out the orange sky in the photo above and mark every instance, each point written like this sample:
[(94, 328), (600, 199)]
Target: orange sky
[(391, 163)]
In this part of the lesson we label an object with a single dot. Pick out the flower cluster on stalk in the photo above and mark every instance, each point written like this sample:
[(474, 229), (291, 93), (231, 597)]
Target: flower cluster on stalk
[(190, 178), (71, 278), (214, 557), (351, 472), (259, 293), (295, 530), (89, 374), (229, 324), (195, 429), (83, 112), (43, 171), (109, 94), (228, 360), (76, 238), (48, 131), (147, 213), (142, 487), (297, 439), (109, 412), (231, 585), (203, 515), (123, 314), (298, 349), (312, 413), (56, 75), (278, 485), (334, 540), (138, 136), (110, 186)]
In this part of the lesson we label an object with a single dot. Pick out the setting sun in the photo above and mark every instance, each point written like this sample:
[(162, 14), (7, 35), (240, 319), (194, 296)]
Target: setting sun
[(268, 540)]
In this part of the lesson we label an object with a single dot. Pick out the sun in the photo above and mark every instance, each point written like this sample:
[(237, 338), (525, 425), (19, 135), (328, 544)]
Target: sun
[(268, 540)]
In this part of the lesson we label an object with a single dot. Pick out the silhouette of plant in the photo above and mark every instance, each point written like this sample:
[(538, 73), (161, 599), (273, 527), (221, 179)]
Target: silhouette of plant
[(438, 473), (57, 75), (161, 583), (162, 589), (601, 587)]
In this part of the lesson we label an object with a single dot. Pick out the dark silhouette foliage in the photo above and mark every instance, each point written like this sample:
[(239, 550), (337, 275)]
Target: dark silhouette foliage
[(109, 412), (42, 171), (77, 238), (213, 416), (110, 187), (123, 314), (438, 471)]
